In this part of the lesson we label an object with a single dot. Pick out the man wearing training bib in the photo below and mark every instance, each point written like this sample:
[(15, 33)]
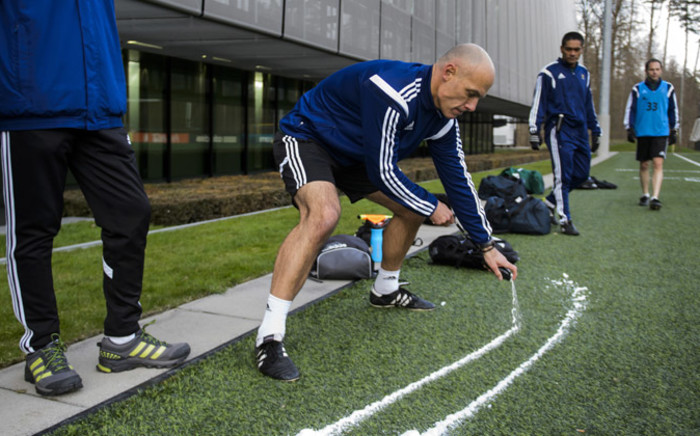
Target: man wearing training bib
[(651, 117)]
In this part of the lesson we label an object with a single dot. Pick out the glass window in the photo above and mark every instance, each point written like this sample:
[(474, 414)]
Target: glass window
[(288, 92), (229, 121), (146, 108), (189, 120), (261, 122)]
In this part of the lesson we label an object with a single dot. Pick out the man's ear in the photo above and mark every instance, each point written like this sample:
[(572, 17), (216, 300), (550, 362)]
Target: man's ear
[(449, 71)]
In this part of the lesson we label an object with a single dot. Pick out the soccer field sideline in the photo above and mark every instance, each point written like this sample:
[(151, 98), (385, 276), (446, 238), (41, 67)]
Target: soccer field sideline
[(577, 300)]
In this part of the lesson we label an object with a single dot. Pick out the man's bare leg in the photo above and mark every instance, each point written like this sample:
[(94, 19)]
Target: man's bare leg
[(319, 211), (644, 176), (398, 236), (657, 176)]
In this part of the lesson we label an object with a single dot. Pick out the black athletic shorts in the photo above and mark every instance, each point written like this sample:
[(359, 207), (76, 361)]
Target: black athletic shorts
[(649, 147), (301, 161)]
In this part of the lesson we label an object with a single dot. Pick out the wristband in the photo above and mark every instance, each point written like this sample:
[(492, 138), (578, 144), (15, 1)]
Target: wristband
[(487, 246)]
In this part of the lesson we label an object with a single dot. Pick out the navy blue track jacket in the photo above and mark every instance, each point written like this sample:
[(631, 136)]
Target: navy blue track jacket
[(379, 112), (44, 86), (563, 90)]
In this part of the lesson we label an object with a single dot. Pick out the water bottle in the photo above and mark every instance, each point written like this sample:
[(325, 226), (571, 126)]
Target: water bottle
[(376, 242)]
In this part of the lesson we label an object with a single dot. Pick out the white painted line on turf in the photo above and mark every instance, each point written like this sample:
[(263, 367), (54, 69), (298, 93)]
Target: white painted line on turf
[(360, 415), (578, 297), (84, 245), (686, 159)]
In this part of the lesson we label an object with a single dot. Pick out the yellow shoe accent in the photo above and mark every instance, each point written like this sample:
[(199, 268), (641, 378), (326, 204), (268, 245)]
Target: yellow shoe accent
[(147, 351)]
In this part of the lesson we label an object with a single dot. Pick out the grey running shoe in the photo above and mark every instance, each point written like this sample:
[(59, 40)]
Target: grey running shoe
[(644, 200), (144, 350), (567, 228), (400, 298), (655, 204), (50, 371), (273, 361)]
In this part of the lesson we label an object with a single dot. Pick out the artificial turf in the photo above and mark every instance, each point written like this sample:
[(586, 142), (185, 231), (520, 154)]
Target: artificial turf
[(627, 366)]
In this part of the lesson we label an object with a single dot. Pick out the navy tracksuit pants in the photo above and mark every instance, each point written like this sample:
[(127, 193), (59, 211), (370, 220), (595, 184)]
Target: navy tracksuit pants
[(35, 164), (571, 163)]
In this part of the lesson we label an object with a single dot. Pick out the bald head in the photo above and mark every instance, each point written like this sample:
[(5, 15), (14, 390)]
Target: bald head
[(469, 57), (460, 78)]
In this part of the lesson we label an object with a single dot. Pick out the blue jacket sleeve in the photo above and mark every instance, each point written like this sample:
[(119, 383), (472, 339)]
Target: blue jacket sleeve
[(539, 102), (384, 115), (631, 109), (448, 156), (591, 117), (673, 118)]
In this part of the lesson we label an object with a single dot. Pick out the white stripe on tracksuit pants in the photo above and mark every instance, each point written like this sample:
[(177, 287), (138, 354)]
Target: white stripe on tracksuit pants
[(35, 165)]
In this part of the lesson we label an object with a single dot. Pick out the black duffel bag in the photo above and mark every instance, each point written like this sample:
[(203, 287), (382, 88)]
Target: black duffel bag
[(461, 251), (503, 187), (529, 215)]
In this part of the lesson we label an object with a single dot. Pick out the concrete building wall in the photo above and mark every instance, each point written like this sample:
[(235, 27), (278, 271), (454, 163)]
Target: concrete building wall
[(311, 38)]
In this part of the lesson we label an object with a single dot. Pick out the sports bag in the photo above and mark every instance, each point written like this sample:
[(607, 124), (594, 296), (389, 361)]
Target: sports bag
[(533, 181), (461, 251), (343, 257), (529, 215), (503, 187)]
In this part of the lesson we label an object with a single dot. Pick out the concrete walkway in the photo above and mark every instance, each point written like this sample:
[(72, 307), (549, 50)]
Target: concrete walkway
[(206, 324)]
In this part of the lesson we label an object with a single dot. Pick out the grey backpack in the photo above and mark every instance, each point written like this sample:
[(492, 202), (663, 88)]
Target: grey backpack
[(343, 257)]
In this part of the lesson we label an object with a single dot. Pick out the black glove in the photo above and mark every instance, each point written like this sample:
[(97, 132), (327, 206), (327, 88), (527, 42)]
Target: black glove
[(535, 141), (630, 135), (673, 137), (595, 143)]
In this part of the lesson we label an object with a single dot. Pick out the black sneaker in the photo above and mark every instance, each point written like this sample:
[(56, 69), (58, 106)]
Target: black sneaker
[(49, 370), (644, 200), (274, 362), (567, 228), (142, 351), (400, 298), (655, 204)]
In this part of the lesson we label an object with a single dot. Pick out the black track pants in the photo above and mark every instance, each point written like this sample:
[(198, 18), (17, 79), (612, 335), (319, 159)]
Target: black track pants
[(34, 167)]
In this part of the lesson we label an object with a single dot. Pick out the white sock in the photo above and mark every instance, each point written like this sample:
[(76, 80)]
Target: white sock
[(387, 281), (121, 340), (275, 320), (646, 195)]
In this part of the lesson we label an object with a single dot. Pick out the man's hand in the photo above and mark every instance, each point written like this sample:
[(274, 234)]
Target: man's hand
[(494, 259), (535, 141), (443, 215), (673, 137), (595, 143), (630, 135)]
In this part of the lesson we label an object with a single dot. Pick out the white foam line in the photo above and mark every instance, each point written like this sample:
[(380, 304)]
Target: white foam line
[(686, 159), (359, 415), (442, 427)]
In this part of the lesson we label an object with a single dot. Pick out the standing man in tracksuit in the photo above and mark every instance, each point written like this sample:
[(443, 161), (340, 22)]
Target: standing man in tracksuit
[(63, 94), (349, 132), (651, 117), (563, 105)]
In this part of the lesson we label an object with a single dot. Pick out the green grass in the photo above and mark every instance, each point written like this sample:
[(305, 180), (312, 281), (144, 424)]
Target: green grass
[(181, 266), (628, 366)]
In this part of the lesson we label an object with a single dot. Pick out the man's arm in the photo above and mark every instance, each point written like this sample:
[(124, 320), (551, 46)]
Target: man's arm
[(538, 110), (631, 114), (591, 117), (673, 118), (448, 157)]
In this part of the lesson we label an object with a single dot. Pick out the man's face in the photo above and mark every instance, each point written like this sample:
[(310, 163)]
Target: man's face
[(571, 51), (654, 71), (460, 90)]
